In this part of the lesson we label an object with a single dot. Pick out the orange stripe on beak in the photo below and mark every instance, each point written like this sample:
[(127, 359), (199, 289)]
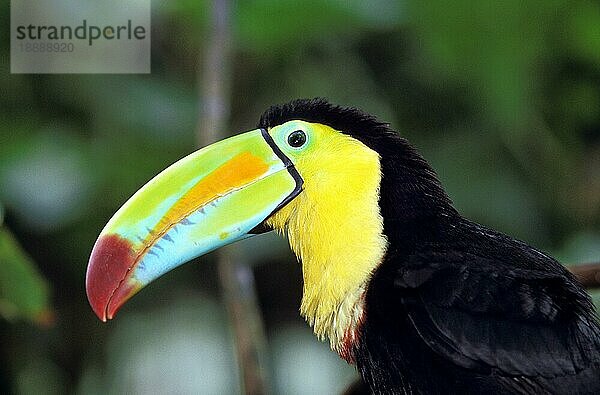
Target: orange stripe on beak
[(238, 172)]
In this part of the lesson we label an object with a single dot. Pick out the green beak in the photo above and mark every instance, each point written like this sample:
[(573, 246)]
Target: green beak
[(213, 197)]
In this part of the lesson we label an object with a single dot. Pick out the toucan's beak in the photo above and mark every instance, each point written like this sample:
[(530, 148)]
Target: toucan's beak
[(213, 197)]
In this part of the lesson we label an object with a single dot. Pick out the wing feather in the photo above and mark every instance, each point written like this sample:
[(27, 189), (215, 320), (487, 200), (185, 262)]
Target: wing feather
[(486, 314)]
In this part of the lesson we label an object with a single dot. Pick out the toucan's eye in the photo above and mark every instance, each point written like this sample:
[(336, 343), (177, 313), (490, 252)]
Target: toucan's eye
[(297, 139)]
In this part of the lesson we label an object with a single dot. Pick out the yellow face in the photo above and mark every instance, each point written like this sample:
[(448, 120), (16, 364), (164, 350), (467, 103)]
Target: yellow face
[(334, 225)]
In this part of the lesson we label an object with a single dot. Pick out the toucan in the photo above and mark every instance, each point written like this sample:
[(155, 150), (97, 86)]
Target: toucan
[(420, 299)]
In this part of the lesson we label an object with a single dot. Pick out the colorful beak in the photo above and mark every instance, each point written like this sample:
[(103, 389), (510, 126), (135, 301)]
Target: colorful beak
[(213, 197)]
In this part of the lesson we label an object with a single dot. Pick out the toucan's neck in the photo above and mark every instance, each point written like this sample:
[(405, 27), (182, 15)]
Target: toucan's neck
[(335, 228)]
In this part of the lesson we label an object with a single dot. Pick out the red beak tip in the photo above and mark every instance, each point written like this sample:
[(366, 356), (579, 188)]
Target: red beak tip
[(110, 262), (97, 307)]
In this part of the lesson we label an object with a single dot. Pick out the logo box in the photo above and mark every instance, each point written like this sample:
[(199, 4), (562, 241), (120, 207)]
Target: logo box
[(68, 36)]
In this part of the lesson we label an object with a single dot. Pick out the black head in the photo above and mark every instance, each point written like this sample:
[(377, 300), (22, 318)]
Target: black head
[(410, 190)]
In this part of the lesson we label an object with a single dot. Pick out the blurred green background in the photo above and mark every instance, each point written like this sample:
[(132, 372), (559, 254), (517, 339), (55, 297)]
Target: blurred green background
[(503, 98)]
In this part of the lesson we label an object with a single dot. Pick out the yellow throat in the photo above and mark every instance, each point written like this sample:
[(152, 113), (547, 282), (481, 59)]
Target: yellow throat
[(334, 227)]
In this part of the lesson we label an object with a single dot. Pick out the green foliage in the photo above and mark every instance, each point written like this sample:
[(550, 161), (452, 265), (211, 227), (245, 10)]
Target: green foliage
[(280, 28), (24, 293)]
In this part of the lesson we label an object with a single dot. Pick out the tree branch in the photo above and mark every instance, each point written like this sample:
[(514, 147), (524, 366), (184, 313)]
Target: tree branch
[(588, 274), (236, 277)]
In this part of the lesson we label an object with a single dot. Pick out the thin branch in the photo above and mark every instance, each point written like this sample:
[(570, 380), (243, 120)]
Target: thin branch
[(588, 274), (237, 281), (236, 277)]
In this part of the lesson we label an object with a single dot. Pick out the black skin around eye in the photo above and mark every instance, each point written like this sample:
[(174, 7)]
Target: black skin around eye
[(297, 139)]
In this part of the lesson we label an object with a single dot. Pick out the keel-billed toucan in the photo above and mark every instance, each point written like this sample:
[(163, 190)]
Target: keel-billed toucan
[(419, 298)]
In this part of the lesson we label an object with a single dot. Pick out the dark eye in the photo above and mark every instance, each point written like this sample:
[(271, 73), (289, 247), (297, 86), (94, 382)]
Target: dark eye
[(297, 139)]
